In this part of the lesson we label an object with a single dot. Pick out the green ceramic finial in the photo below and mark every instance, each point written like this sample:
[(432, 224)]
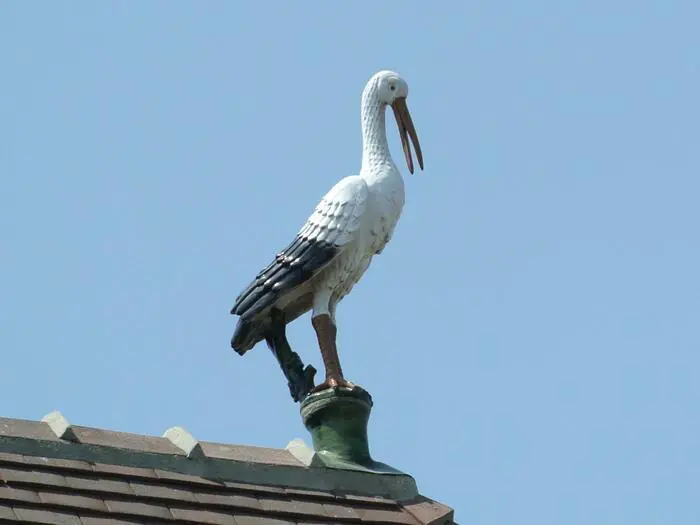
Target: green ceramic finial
[(337, 419)]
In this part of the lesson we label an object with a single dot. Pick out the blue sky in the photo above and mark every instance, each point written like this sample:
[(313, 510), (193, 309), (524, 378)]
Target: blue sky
[(530, 336)]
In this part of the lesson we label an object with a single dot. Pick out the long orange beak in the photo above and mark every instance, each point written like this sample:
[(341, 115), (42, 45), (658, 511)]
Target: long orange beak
[(406, 129)]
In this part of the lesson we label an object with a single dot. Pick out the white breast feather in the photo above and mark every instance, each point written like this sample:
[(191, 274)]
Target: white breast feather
[(337, 217)]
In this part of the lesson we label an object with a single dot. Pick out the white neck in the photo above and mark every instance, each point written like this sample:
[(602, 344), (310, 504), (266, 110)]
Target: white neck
[(375, 149)]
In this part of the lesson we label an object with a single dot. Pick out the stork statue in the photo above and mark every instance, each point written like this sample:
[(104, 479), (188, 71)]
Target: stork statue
[(353, 222)]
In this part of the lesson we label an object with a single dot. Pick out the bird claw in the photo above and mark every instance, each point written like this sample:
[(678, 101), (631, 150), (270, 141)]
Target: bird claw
[(333, 383)]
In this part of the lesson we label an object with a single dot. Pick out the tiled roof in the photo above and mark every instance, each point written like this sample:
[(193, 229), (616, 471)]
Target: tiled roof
[(61, 474)]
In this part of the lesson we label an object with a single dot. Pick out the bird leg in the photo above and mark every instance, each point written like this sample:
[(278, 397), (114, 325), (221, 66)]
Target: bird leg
[(299, 379), (326, 333)]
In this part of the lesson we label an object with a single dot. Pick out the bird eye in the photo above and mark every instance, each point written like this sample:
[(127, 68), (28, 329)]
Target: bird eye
[(392, 87)]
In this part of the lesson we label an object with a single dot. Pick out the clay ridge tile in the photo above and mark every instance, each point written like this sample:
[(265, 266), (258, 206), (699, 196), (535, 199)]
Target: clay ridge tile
[(269, 456), (125, 440), (26, 429)]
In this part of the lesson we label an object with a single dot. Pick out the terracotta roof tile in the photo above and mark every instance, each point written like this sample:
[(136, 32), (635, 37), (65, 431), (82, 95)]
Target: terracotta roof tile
[(32, 477), (429, 512), (6, 512), (138, 508), (304, 493), (368, 499), (150, 490), (246, 502), (386, 516), (101, 520), (262, 520), (344, 512), (186, 479), (203, 516), (46, 517), (258, 489), (62, 499), (128, 472), (9, 494), (307, 508), (62, 464), (295, 508), (99, 484)]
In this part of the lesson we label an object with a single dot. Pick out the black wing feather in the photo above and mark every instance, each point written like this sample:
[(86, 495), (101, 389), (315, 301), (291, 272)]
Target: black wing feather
[(292, 267)]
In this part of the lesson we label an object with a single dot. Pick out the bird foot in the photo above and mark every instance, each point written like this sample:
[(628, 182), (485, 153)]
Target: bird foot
[(334, 383)]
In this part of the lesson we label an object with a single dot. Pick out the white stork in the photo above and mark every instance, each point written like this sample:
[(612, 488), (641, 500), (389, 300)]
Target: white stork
[(353, 222)]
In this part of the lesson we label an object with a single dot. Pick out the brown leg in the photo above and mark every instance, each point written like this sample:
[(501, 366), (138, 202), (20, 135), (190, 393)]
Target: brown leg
[(326, 332)]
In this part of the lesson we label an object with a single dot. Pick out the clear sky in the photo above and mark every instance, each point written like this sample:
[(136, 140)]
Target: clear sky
[(530, 335)]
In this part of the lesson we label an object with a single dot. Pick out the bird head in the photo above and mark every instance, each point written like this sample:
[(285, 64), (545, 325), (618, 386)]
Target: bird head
[(392, 90)]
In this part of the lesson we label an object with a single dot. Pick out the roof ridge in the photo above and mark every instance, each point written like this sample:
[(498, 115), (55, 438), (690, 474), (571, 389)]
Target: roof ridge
[(89, 475), (229, 463)]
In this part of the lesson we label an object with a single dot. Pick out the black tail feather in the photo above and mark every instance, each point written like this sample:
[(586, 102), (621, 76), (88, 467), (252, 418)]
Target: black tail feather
[(246, 336)]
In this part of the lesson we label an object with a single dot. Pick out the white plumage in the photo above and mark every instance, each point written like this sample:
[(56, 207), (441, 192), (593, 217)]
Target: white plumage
[(338, 220), (351, 224)]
